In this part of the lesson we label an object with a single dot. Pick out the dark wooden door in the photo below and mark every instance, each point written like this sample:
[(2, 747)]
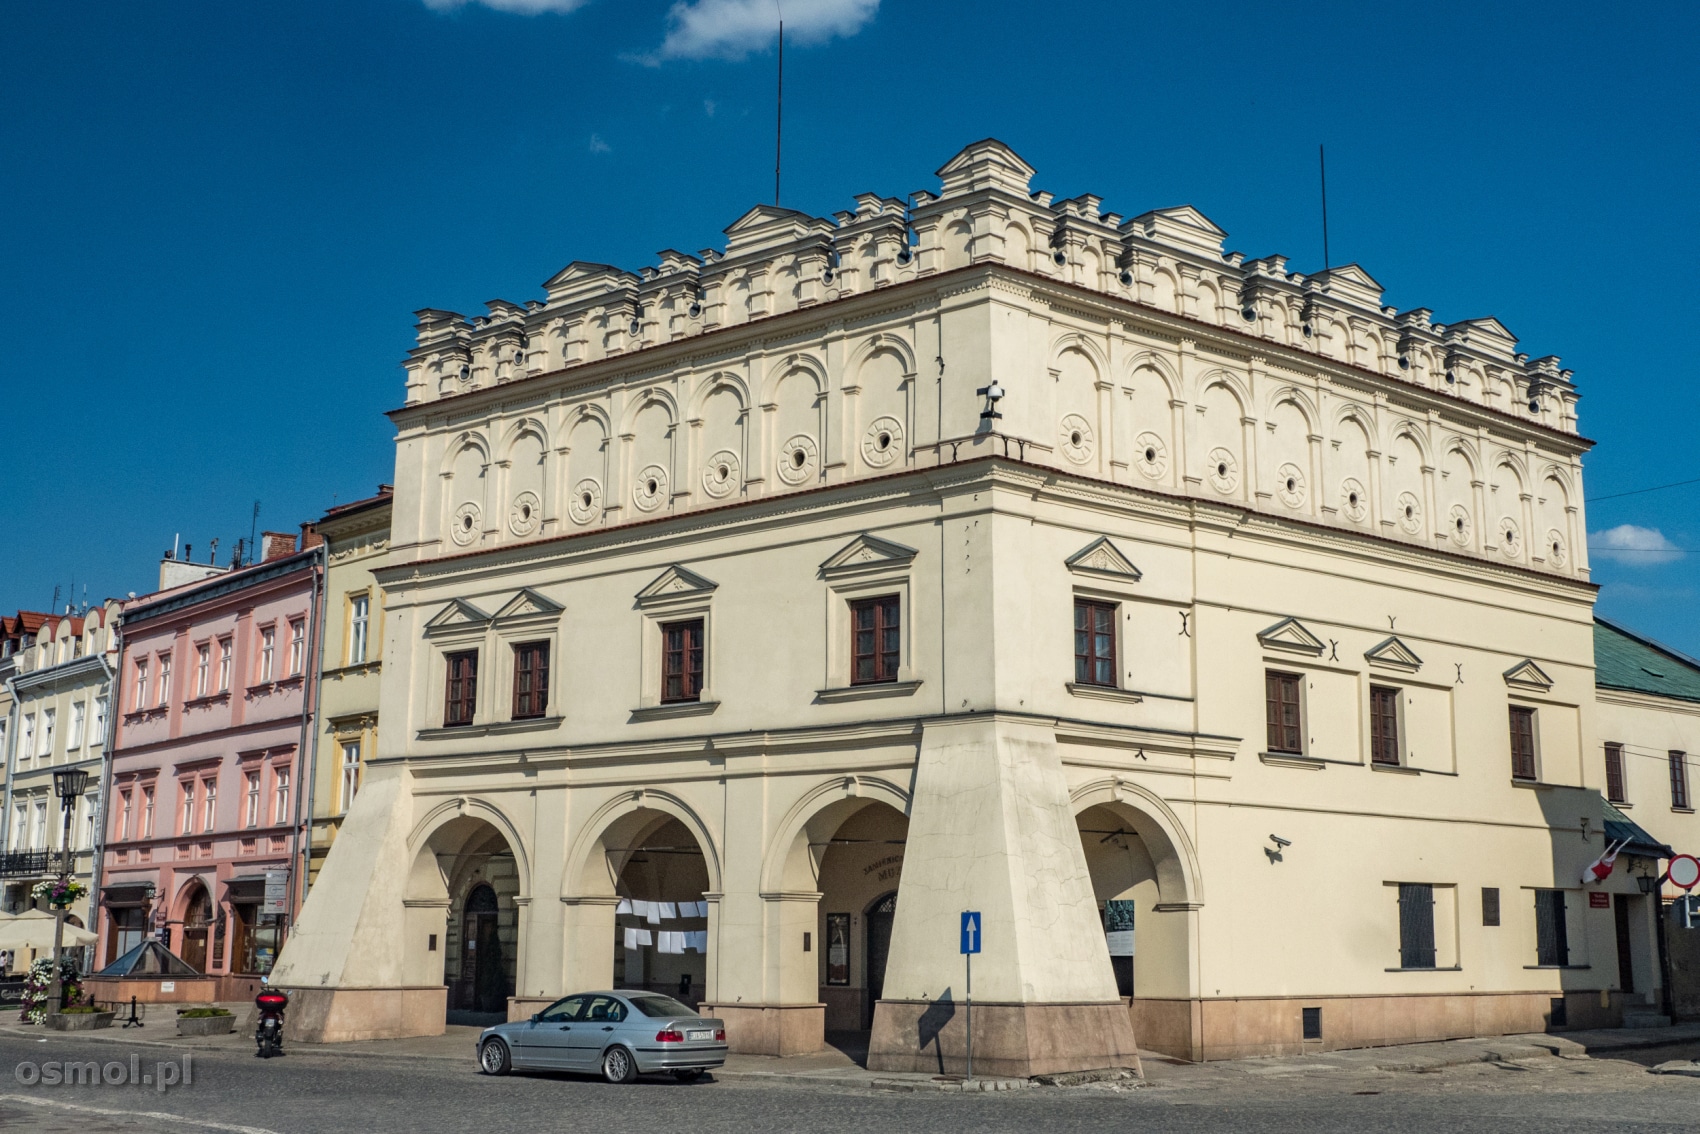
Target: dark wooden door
[(880, 917)]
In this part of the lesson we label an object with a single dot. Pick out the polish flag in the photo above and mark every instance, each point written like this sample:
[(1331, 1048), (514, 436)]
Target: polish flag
[(1600, 869)]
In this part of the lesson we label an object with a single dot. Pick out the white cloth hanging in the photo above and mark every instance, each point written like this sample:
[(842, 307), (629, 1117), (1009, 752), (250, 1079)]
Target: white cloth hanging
[(631, 938), (625, 906), (669, 910), (643, 937)]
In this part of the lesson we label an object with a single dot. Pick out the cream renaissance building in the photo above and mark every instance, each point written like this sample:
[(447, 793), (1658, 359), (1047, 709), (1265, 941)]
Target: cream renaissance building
[(751, 616)]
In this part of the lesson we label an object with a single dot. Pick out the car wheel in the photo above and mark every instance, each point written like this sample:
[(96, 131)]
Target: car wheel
[(618, 1066), (687, 1076), (493, 1058)]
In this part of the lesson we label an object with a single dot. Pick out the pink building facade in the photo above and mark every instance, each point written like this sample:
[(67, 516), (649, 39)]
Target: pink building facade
[(216, 681)]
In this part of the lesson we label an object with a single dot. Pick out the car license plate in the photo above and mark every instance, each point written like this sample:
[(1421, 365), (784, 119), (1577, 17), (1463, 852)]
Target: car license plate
[(696, 1034)]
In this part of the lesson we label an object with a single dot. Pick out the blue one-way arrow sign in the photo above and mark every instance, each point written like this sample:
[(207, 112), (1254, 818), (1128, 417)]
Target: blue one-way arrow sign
[(970, 931)]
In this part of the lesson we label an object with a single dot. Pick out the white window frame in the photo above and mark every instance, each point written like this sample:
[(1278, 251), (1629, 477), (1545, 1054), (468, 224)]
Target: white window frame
[(268, 651), (203, 668), (26, 739), (226, 650), (280, 796), (209, 804), (297, 646), (97, 732), (164, 679), (359, 626), (251, 805), (147, 811), (350, 772), (74, 732), (125, 815), (49, 717), (140, 701), (188, 788)]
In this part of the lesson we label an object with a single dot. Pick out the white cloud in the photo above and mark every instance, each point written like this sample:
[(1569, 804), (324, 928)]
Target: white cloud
[(598, 146), (1628, 544), (731, 29), (519, 7), (708, 107)]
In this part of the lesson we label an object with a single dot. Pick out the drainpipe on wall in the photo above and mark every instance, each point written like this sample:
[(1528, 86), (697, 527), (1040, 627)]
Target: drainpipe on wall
[(97, 845), (307, 748)]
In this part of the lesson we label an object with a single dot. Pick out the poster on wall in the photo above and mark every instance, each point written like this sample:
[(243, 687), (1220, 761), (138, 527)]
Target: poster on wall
[(838, 948), (1118, 927)]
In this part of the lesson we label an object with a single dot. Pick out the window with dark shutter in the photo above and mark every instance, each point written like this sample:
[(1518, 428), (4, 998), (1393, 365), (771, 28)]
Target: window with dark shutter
[(531, 680), (1384, 725), (681, 660), (876, 640), (461, 693), (1679, 779), (1552, 940), (1522, 743), (1490, 905), (1281, 702), (1416, 925), (1614, 774), (1312, 1018), (1094, 643)]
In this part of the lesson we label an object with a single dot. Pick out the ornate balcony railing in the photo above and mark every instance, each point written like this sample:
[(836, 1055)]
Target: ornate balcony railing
[(23, 864)]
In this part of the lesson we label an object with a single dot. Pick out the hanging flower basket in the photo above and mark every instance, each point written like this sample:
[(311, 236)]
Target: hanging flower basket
[(60, 893)]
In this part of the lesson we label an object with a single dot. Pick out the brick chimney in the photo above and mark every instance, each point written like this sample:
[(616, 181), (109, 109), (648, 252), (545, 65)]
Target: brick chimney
[(277, 545), (310, 536)]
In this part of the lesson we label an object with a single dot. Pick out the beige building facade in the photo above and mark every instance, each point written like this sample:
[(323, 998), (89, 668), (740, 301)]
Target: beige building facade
[(356, 539), (1221, 637)]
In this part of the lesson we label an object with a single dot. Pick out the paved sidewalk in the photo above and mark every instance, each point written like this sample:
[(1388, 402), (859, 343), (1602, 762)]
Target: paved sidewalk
[(833, 1067)]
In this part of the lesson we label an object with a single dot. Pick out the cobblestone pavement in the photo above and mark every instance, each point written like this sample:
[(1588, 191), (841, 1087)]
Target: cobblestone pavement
[(1519, 1084)]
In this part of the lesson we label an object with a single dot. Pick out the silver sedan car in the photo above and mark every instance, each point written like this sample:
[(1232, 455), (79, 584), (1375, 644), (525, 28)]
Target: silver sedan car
[(618, 1035)]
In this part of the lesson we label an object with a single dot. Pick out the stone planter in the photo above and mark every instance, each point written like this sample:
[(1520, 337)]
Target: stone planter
[(206, 1025), (79, 1021)]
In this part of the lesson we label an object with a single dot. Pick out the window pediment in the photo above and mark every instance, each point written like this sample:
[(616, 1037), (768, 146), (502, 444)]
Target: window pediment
[(1103, 558), (673, 584), (528, 606), (866, 552), (458, 616), (1292, 636), (1394, 654), (1527, 675)]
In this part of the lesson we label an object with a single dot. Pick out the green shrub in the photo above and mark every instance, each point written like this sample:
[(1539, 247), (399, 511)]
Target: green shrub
[(80, 1010), (202, 1013)]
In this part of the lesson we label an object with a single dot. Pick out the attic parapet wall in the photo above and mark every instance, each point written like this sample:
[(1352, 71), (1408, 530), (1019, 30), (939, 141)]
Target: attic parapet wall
[(778, 261)]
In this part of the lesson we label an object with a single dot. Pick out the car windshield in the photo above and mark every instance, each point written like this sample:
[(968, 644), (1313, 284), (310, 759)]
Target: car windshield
[(660, 1006)]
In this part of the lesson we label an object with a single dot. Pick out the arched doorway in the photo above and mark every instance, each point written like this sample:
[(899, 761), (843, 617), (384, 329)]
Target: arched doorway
[(197, 924), (661, 920), (1144, 880), (880, 917), (858, 845), (464, 916)]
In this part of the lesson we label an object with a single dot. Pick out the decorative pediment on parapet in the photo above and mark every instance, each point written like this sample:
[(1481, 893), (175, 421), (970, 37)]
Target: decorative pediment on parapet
[(1104, 559), (986, 164), (1290, 635), (866, 553), (1394, 654), (529, 606), (674, 583), (1527, 675), (458, 616)]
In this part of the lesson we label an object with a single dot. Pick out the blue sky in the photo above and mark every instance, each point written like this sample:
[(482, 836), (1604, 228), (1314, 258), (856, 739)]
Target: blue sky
[(218, 217)]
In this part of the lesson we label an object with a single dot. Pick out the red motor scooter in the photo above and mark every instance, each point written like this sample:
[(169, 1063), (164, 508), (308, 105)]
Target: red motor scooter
[(269, 1035)]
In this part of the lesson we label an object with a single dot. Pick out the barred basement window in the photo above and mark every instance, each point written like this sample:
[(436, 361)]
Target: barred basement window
[(1416, 925), (1552, 939), (1312, 1023), (1614, 774)]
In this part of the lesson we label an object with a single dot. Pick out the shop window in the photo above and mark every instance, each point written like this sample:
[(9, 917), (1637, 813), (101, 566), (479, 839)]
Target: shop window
[(1416, 925), (1552, 938)]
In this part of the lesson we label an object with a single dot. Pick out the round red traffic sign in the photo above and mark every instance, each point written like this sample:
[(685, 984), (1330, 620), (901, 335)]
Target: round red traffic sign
[(1684, 871)]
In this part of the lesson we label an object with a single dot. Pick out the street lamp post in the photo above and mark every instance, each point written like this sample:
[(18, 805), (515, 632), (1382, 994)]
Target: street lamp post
[(68, 785)]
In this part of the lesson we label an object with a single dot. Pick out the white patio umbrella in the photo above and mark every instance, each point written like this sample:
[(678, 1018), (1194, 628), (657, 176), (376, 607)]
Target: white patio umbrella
[(33, 929)]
